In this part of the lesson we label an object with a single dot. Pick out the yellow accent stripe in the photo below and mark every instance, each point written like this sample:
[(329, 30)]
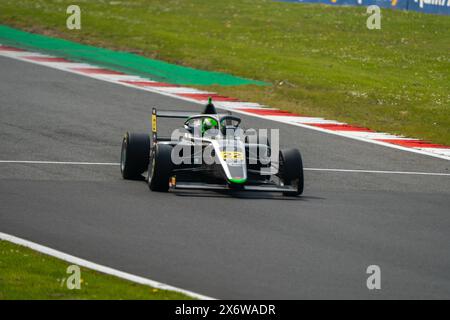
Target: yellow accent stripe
[(153, 122)]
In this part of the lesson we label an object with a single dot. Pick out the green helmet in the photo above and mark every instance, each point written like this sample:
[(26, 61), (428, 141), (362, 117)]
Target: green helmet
[(209, 123)]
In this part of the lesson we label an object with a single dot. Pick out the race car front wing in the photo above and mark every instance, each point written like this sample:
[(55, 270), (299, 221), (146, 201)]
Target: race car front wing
[(203, 186)]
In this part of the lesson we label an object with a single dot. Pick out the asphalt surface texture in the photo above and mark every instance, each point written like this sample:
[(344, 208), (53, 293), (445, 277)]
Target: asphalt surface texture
[(227, 246)]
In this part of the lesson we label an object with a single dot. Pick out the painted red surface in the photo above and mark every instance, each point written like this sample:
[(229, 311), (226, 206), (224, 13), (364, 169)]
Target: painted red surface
[(268, 112), (205, 96), (340, 127), (8, 48), (46, 59), (96, 71), (148, 83), (414, 143)]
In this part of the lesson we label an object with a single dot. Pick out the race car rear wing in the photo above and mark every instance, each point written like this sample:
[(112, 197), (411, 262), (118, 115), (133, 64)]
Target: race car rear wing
[(174, 114)]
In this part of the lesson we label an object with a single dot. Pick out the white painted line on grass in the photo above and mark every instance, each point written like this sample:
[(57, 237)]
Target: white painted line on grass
[(97, 267), (306, 169)]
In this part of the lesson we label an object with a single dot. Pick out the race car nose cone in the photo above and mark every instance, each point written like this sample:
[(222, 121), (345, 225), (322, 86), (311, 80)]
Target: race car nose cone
[(238, 180)]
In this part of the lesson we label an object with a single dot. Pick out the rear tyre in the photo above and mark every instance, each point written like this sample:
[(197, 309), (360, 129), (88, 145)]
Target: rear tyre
[(291, 169), (160, 168), (134, 156)]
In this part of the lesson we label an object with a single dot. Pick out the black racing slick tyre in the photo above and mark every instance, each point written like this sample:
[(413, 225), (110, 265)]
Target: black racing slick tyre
[(160, 168), (291, 170), (134, 156)]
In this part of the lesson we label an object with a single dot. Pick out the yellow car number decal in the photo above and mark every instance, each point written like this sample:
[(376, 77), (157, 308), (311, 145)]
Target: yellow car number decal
[(231, 155)]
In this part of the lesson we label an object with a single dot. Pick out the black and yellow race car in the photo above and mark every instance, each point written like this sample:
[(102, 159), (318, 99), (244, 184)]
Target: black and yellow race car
[(210, 151)]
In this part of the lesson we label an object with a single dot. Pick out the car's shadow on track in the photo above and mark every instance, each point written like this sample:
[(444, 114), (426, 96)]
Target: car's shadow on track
[(238, 194), (242, 195)]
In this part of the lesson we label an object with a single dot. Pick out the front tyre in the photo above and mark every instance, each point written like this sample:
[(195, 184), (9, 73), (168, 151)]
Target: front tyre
[(160, 168), (134, 156), (291, 170)]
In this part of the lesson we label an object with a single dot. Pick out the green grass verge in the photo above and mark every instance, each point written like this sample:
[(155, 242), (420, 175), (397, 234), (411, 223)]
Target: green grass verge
[(27, 274), (321, 60)]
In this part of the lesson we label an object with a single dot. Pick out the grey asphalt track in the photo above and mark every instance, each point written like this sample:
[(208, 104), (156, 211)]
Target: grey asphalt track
[(225, 246)]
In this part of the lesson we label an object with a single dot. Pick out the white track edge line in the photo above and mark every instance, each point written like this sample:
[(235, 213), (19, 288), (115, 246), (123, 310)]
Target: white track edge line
[(97, 267), (306, 169), (381, 143), (60, 162), (379, 171)]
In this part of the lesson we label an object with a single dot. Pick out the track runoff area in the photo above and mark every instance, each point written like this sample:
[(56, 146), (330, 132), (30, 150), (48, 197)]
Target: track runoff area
[(255, 110)]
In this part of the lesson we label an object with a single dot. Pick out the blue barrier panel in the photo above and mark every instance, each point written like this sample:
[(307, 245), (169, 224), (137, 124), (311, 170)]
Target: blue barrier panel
[(330, 2), (425, 6), (392, 4), (430, 6)]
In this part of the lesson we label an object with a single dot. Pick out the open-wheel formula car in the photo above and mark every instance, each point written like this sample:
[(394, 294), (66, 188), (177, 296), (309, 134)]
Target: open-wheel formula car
[(208, 154)]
